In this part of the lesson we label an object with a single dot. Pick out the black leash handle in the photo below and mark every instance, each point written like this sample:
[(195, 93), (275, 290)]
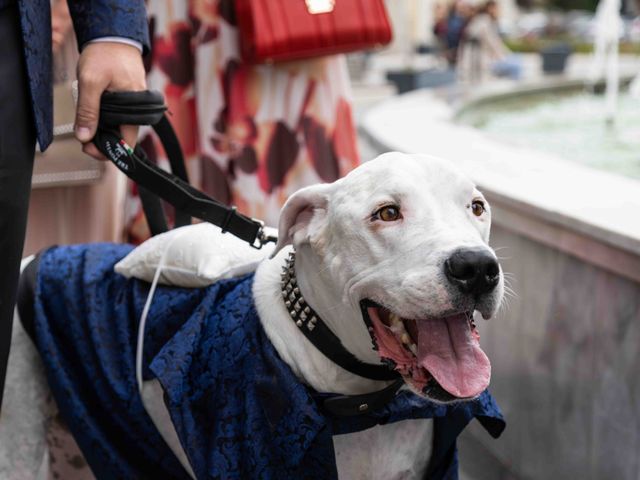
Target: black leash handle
[(148, 108)]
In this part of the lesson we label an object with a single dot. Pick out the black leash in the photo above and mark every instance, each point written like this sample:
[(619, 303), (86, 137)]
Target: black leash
[(148, 108)]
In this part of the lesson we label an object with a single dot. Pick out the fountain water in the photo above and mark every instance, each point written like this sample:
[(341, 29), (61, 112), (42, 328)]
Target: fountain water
[(605, 53)]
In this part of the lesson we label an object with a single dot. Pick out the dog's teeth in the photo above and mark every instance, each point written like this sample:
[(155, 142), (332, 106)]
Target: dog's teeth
[(394, 319), (413, 348), (405, 338), (398, 328)]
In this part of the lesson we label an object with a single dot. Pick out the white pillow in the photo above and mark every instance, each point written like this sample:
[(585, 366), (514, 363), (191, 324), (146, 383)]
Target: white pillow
[(197, 256)]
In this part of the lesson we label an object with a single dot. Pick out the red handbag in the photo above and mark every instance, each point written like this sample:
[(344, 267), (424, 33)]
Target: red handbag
[(282, 30)]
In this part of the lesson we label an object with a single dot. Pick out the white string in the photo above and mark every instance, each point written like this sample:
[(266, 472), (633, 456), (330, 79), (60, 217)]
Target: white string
[(147, 306)]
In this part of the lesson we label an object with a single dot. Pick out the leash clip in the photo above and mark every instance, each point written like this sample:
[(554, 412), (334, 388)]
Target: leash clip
[(261, 237)]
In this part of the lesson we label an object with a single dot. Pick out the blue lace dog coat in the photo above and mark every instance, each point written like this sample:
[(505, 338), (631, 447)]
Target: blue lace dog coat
[(238, 409)]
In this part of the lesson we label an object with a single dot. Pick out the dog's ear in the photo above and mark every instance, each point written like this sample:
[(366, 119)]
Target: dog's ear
[(300, 213)]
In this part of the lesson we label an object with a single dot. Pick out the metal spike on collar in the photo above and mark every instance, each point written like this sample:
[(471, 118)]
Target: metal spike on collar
[(298, 309)]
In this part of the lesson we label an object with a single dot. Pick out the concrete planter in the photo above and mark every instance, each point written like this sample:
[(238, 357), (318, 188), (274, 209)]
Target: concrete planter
[(408, 80), (554, 58)]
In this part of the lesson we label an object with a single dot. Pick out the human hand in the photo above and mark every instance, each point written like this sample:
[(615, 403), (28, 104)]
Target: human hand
[(105, 66)]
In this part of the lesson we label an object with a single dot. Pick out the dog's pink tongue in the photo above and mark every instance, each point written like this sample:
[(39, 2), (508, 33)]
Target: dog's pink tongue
[(447, 349)]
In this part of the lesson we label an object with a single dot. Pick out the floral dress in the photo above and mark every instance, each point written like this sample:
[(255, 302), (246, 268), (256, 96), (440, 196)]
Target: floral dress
[(251, 134)]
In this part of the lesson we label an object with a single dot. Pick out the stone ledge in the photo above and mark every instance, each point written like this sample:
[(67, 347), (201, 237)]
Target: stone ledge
[(587, 213)]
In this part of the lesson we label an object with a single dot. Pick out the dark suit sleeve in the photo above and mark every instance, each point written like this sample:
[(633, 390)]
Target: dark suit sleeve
[(106, 18)]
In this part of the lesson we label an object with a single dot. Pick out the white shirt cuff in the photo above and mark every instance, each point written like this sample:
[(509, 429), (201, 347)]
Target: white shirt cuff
[(126, 41)]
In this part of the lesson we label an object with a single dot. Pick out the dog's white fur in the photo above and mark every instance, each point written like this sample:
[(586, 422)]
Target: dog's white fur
[(343, 256)]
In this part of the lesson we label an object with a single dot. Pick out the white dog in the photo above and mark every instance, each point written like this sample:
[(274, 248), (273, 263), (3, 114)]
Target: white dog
[(394, 259)]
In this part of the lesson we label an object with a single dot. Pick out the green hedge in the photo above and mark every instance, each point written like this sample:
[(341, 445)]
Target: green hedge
[(532, 46)]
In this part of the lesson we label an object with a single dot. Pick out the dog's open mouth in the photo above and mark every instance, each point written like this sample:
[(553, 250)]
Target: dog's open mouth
[(439, 357)]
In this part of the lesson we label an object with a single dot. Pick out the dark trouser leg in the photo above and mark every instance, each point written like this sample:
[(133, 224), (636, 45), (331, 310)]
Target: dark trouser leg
[(17, 142)]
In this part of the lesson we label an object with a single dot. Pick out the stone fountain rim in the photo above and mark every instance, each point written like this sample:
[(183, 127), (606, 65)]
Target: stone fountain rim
[(487, 95), (609, 236)]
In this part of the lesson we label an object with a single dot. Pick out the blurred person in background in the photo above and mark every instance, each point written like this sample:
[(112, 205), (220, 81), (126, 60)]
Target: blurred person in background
[(106, 29), (450, 28), (440, 24), (483, 51), (457, 22), (251, 134)]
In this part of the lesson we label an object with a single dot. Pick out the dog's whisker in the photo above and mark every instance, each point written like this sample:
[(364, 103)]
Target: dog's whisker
[(505, 306), (509, 293)]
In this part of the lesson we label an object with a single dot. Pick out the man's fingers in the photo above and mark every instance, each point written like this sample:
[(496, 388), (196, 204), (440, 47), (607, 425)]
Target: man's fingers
[(90, 149), (130, 134), (105, 65), (90, 89)]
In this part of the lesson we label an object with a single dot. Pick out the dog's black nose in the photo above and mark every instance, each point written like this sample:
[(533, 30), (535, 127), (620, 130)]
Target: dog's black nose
[(472, 270)]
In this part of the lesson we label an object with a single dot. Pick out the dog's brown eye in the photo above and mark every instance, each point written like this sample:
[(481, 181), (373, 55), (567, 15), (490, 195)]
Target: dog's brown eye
[(390, 213), (477, 207)]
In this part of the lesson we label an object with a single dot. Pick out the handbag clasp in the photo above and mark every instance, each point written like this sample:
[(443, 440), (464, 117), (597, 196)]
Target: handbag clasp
[(320, 6)]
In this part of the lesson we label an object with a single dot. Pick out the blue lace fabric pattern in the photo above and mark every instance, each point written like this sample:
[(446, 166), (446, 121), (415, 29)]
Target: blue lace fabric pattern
[(238, 409)]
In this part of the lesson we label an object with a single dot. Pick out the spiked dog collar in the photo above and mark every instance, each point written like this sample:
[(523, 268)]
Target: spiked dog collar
[(317, 332)]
